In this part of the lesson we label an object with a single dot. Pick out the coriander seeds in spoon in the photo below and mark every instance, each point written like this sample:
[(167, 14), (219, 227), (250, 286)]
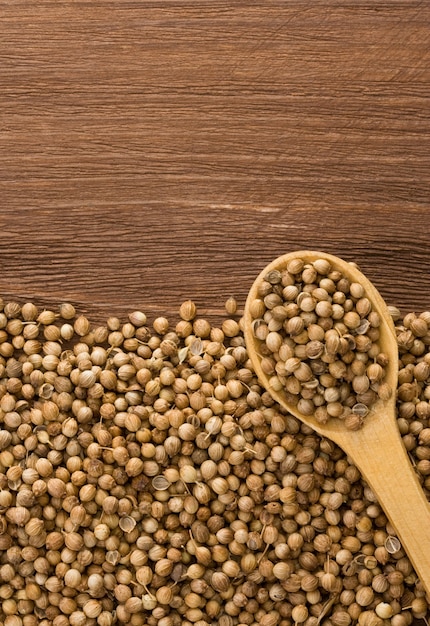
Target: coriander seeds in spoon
[(323, 343)]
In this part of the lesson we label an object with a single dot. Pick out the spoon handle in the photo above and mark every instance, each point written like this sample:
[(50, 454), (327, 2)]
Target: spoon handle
[(378, 452)]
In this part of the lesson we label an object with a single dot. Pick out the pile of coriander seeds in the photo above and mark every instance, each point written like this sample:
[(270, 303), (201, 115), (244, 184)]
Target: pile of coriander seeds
[(146, 478)]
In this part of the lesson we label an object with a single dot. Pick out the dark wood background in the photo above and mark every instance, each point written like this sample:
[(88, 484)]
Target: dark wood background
[(154, 151)]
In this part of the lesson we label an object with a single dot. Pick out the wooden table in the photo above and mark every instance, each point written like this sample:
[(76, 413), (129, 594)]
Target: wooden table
[(153, 151)]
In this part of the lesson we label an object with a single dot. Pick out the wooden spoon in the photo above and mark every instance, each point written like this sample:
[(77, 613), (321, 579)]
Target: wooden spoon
[(376, 449)]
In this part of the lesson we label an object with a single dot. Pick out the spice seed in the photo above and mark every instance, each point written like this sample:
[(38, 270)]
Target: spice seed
[(146, 478), (326, 328)]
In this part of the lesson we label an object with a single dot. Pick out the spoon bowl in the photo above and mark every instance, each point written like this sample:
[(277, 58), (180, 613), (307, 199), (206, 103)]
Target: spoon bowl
[(376, 448)]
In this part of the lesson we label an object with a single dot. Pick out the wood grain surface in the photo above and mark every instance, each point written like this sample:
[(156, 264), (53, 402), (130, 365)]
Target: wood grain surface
[(152, 151)]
